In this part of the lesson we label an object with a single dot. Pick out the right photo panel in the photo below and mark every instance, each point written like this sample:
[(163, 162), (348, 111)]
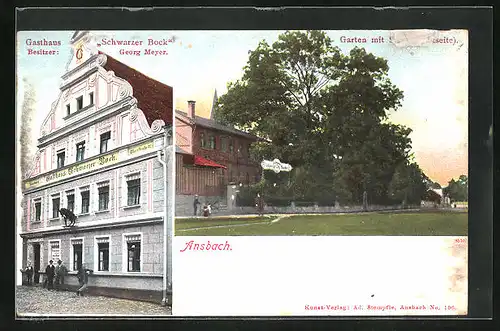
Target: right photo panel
[(320, 172)]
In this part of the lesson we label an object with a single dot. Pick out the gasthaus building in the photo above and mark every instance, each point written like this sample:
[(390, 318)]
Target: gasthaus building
[(100, 155)]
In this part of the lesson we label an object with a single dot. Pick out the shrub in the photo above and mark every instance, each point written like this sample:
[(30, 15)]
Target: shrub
[(305, 203), (278, 201)]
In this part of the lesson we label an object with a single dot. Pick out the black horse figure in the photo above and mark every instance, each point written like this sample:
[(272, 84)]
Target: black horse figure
[(68, 216)]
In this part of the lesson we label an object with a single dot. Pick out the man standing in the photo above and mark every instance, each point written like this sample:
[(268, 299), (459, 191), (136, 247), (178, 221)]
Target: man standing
[(196, 202), (49, 273), (60, 273), (259, 203), (83, 279), (29, 273)]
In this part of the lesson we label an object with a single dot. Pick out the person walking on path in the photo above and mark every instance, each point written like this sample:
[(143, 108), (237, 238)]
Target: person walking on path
[(49, 273), (259, 203), (196, 202), (83, 279), (61, 271)]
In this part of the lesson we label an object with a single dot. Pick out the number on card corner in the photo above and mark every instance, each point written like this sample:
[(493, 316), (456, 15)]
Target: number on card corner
[(460, 241)]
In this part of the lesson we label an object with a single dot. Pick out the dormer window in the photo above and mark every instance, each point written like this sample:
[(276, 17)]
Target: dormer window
[(61, 156), (68, 110), (91, 98), (80, 151), (79, 103)]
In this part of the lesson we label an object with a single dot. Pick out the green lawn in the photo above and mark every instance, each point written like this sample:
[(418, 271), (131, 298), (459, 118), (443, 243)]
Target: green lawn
[(369, 224)]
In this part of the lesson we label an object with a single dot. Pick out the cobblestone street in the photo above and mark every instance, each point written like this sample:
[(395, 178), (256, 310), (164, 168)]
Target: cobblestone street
[(37, 300)]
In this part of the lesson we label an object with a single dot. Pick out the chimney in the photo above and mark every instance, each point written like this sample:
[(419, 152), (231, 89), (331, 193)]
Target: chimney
[(191, 111)]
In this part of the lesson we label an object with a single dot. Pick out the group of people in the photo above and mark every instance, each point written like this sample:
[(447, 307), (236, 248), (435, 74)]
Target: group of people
[(207, 210), (54, 276), (56, 273)]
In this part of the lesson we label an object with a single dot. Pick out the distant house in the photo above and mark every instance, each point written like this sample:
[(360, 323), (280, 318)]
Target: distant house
[(210, 156), (438, 191)]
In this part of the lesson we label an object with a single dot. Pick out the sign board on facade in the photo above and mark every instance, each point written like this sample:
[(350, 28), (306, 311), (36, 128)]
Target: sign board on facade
[(55, 251), (144, 147), (275, 165), (100, 162)]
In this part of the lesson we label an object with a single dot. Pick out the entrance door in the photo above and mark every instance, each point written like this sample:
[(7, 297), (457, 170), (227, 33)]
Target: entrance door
[(36, 266)]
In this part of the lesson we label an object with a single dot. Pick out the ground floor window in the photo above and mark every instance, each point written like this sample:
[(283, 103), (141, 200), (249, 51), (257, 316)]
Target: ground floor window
[(133, 242), (77, 246), (101, 253), (103, 249), (134, 256)]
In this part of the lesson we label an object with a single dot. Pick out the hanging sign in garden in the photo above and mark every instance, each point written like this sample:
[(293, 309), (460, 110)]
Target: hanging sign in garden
[(275, 165)]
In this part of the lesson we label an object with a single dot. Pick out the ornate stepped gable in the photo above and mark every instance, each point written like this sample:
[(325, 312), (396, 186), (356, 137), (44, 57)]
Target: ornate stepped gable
[(151, 103)]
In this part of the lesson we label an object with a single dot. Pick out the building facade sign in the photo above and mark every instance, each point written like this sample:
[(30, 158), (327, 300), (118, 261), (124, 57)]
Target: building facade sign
[(55, 251), (275, 165), (141, 148), (95, 164)]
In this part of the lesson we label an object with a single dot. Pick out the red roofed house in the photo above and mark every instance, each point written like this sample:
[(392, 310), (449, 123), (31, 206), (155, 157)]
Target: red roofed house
[(210, 157), (98, 157)]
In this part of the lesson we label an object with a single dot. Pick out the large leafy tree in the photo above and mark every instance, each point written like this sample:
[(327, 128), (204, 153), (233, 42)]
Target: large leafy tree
[(323, 112), (408, 184), (458, 190)]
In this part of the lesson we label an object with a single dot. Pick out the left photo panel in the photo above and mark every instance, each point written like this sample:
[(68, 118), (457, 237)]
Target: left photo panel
[(94, 178)]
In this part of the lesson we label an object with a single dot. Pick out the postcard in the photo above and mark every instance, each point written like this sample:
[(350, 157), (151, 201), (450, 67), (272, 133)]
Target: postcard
[(243, 173), (322, 173)]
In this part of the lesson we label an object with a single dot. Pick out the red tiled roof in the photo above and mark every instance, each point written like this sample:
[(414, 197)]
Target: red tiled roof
[(201, 161), (155, 99)]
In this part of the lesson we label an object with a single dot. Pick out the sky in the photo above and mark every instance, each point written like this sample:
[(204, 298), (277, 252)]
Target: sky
[(432, 74)]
